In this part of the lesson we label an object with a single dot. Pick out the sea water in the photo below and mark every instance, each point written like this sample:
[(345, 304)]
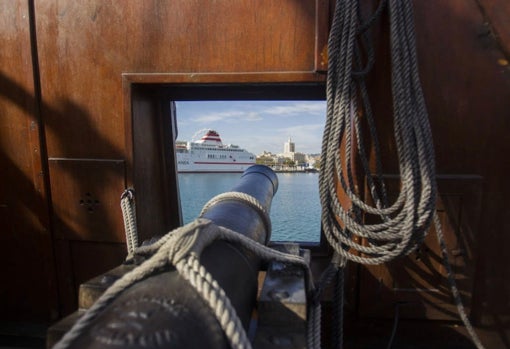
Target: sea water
[(295, 209)]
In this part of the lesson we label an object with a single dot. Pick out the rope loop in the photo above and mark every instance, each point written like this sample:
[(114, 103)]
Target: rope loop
[(399, 227), (395, 229), (128, 207), (246, 199)]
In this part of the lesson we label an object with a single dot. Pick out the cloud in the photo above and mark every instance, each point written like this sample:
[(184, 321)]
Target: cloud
[(230, 116), (302, 129), (314, 108)]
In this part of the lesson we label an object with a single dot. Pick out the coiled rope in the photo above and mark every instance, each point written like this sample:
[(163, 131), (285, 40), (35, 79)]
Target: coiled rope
[(403, 225), (399, 227)]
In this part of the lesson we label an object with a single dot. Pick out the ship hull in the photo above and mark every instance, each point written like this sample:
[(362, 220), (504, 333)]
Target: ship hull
[(213, 167)]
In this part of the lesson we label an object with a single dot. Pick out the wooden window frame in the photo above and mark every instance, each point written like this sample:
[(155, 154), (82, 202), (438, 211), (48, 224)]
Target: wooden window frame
[(147, 100)]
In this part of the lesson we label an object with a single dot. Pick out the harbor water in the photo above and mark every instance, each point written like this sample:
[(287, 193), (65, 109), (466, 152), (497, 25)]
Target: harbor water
[(295, 210)]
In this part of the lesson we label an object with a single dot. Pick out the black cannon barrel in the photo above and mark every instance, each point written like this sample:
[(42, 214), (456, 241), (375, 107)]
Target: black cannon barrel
[(165, 311)]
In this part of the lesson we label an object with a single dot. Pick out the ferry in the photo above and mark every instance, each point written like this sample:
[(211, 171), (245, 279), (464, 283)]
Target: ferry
[(209, 154)]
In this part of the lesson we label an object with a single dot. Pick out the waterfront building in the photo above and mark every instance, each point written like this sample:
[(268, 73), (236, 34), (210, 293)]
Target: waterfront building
[(289, 159), (289, 147), (289, 152)]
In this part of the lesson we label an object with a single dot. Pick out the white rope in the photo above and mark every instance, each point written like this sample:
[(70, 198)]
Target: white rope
[(453, 285), (246, 199), (128, 207), (399, 227)]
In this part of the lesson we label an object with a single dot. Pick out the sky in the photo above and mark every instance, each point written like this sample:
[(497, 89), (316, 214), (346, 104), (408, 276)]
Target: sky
[(256, 126)]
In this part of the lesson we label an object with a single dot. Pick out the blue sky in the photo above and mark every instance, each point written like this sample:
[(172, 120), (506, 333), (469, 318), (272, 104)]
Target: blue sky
[(256, 125)]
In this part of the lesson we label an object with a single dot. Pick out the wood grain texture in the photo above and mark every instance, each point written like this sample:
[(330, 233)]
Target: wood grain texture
[(417, 284), (467, 93), (88, 193), (25, 234), (496, 15), (85, 47)]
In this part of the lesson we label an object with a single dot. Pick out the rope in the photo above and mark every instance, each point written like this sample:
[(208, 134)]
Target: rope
[(314, 326), (246, 199), (127, 204), (453, 286), (397, 228)]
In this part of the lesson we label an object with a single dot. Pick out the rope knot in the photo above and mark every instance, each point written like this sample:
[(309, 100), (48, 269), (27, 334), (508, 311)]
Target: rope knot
[(179, 244), (128, 193), (192, 239)]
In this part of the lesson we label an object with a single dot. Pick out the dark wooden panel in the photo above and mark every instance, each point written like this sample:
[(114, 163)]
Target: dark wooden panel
[(67, 292), (79, 261), (85, 47), (417, 284), (28, 292), (496, 13), (322, 25), (467, 93), (85, 263), (86, 199), (152, 172)]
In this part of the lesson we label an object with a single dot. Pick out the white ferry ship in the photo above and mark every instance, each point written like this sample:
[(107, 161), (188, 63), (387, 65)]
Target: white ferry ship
[(210, 155)]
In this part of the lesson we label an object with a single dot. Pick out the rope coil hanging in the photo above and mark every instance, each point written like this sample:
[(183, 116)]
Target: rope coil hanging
[(401, 226)]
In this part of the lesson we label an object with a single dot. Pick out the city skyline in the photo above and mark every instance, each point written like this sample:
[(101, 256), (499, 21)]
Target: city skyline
[(256, 126)]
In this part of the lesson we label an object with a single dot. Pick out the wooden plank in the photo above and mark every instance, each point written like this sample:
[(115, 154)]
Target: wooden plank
[(92, 289), (25, 230), (322, 26), (81, 66), (496, 13), (86, 199), (417, 284), (469, 117), (86, 266), (153, 172), (467, 92), (282, 304)]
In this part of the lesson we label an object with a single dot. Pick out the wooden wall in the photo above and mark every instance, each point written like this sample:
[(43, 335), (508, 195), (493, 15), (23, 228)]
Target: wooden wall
[(28, 287), (66, 152), (76, 55), (463, 56)]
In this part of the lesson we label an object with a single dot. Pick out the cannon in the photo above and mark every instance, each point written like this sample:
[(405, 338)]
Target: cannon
[(164, 310)]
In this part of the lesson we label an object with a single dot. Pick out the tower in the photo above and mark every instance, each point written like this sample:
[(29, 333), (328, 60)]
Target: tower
[(289, 147)]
